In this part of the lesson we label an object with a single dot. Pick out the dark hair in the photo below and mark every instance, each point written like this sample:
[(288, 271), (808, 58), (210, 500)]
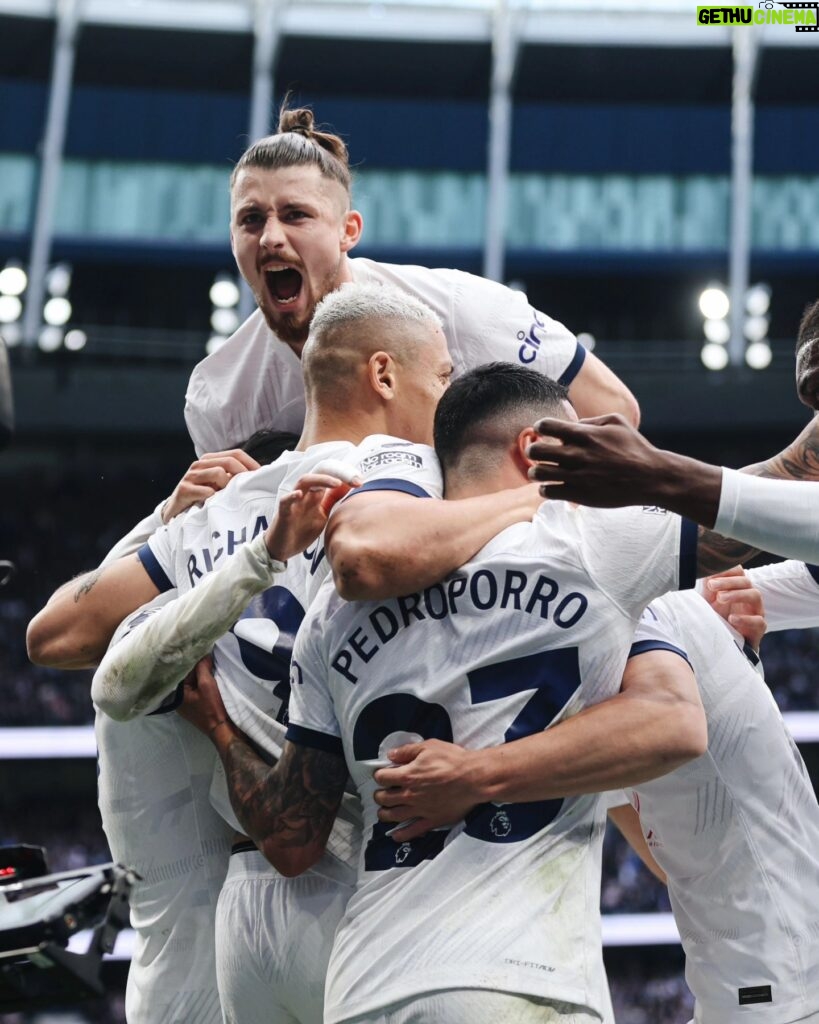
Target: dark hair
[(266, 445), (486, 394), (809, 327), (297, 142)]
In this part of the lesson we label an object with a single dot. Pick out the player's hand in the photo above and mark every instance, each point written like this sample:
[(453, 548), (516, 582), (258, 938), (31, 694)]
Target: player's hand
[(303, 513), (732, 595), (202, 703), (601, 461), (430, 786), (205, 477)]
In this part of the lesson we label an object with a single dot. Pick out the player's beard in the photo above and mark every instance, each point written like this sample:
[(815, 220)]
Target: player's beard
[(293, 328)]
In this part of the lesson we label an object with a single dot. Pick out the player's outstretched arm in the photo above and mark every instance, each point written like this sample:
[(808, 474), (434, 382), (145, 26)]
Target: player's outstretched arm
[(606, 463), (288, 810), (383, 544), (596, 390), (146, 665), (75, 628), (655, 724)]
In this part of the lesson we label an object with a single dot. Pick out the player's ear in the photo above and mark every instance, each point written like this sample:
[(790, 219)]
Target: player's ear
[(352, 226), (381, 375), (526, 437)]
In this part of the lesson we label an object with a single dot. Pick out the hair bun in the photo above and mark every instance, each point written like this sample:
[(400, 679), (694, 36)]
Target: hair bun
[(300, 120)]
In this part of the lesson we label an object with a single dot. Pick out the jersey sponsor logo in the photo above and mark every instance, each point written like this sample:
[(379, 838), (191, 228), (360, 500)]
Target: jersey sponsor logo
[(531, 339), (390, 458), (755, 994)]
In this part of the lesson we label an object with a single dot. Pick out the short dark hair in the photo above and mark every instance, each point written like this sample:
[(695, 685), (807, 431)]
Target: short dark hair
[(298, 142), (266, 445), (809, 326), (486, 394)]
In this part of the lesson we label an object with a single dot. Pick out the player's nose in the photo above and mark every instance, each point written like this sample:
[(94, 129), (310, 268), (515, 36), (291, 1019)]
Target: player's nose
[(272, 236)]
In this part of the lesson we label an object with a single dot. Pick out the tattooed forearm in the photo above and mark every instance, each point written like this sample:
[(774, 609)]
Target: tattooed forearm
[(88, 583), (799, 461), (291, 805), (716, 553)]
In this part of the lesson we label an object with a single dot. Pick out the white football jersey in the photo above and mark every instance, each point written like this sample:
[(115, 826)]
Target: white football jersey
[(790, 593), (255, 380), (153, 786), (252, 660), (532, 630), (737, 833)]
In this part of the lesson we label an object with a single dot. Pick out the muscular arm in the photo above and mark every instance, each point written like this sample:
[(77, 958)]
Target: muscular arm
[(596, 390), (608, 464), (385, 543), (76, 626), (288, 810), (655, 724)]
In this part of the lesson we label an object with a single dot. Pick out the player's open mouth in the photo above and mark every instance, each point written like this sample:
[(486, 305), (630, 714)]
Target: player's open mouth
[(283, 285)]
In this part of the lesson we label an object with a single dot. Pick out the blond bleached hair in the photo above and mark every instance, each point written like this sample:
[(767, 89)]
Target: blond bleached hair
[(356, 320)]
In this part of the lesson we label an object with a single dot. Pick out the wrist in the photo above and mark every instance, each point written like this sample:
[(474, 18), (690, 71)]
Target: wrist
[(486, 774), (222, 733)]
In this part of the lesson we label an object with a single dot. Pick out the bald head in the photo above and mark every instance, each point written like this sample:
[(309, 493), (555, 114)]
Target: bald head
[(354, 322)]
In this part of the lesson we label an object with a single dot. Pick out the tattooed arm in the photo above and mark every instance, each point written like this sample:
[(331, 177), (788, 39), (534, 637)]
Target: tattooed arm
[(799, 461), (76, 626), (288, 810)]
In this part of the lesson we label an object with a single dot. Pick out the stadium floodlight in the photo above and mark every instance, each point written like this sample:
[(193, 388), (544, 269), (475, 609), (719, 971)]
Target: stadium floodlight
[(11, 334), (57, 311), (224, 292), (756, 328), (13, 280), (215, 342), (50, 338), (714, 304), (758, 355), (75, 340), (717, 331), (758, 300), (58, 280), (714, 357), (11, 309), (586, 340), (224, 320)]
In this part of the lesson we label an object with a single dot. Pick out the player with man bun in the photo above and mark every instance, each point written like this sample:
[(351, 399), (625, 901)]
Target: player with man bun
[(292, 231)]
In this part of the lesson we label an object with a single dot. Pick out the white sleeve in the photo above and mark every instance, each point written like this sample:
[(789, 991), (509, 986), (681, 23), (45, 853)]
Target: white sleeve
[(779, 516), (656, 631), (134, 540), (493, 322), (636, 554), (311, 713), (790, 593), (157, 555), (147, 664)]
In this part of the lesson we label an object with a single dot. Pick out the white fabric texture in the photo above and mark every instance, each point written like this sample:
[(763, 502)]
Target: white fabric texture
[(737, 833), (254, 380), (774, 515), (147, 664), (790, 595), (537, 626)]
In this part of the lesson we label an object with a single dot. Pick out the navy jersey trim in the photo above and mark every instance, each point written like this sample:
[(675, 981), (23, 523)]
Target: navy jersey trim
[(814, 571), (689, 534), (574, 366), (391, 484), (642, 646), (151, 565), (750, 654), (305, 737), (170, 703)]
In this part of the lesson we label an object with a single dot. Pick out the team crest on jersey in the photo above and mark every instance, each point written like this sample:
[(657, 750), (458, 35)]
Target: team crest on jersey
[(500, 825), (655, 510), (403, 851), (391, 458)]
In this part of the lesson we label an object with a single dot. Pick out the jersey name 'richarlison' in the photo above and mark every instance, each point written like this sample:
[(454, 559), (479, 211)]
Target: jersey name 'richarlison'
[(483, 590), (204, 561)]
